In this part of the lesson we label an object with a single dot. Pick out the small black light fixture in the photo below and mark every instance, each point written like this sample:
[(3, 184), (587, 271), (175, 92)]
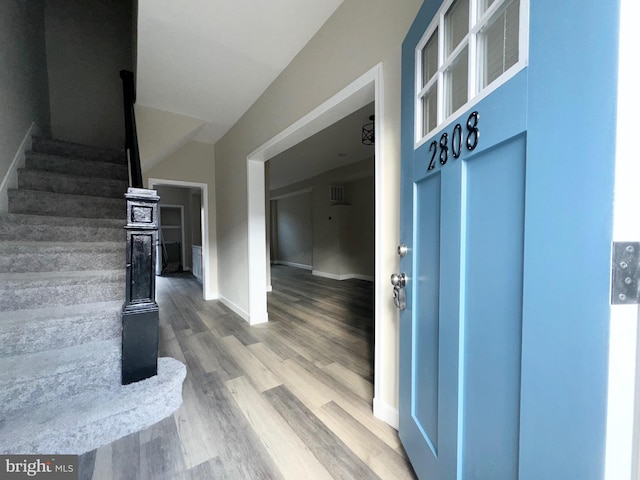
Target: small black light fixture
[(369, 132)]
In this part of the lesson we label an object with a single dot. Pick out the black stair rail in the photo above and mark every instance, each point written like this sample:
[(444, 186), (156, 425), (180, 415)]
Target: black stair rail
[(140, 315), (131, 135)]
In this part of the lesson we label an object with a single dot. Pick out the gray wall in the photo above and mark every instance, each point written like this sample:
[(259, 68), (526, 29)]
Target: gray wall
[(359, 233), (24, 94), (88, 42), (294, 230), (342, 236)]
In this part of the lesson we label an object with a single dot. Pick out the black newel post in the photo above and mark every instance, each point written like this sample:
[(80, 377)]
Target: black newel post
[(140, 311)]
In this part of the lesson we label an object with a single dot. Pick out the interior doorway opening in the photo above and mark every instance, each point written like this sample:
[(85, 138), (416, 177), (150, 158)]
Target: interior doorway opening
[(366, 89), (183, 239)]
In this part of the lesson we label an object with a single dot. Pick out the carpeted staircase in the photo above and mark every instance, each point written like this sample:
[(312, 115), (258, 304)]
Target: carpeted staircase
[(62, 287)]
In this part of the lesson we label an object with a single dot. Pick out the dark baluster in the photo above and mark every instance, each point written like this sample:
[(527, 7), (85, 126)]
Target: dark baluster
[(140, 312)]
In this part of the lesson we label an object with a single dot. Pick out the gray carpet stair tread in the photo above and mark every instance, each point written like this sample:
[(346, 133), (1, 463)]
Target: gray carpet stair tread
[(39, 378), (36, 330), (69, 149), (18, 227), (43, 180), (29, 290), (61, 200), (95, 418), (15, 247), (30, 219), (53, 313), (75, 166), (38, 279), (52, 362)]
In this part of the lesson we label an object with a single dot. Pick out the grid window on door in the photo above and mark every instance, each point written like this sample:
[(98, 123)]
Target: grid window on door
[(468, 48)]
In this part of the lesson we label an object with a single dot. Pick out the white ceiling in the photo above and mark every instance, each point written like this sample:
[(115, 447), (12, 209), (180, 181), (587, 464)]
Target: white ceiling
[(211, 59), (337, 145)]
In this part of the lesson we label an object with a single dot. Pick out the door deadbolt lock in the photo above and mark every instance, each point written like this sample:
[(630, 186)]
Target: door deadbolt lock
[(399, 280), (403, 250)]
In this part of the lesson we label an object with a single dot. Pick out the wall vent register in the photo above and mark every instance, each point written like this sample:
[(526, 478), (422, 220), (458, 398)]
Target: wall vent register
[(336, 194)]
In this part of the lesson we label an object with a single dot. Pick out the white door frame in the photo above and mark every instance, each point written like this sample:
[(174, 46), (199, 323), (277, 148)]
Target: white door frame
[(623, 420), (356, 95), (204, 219)]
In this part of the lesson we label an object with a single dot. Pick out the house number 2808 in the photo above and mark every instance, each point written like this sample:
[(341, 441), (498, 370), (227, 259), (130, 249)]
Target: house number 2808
[(473, 135)]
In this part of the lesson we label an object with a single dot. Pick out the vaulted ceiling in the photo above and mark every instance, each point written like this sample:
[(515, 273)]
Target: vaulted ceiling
[(211, 59), (202, 63)]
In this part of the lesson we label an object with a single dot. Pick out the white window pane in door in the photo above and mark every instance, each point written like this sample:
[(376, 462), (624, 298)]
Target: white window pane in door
[(499, 44), (483, 6), (430, 58), (456, 24), (456, 83), (430, 110)]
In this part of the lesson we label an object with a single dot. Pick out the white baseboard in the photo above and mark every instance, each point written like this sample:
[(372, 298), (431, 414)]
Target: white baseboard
[(344, 276), (10, 180), (293, 264), (386, 413), (368, 278), (244, 314)]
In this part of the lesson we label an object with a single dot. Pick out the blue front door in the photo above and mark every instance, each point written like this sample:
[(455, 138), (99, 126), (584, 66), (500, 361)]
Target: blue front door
[(507, 168)]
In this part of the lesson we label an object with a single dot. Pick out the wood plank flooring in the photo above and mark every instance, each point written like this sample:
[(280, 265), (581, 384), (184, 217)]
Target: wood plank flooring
[(290, 399)]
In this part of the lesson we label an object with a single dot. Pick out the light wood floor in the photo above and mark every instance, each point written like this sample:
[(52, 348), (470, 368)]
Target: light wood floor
[(290, 399)]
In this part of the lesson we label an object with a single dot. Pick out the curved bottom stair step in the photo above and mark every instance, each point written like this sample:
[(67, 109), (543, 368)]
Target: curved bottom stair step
[(95, 418)]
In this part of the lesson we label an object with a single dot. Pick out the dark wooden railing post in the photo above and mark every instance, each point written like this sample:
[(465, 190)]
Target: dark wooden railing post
[(140, 312)]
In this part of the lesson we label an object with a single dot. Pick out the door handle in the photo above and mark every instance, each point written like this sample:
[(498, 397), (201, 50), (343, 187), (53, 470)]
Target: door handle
[(399, 280)]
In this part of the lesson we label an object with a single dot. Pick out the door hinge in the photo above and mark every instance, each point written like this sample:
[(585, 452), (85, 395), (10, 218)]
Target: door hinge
[(625, 270)]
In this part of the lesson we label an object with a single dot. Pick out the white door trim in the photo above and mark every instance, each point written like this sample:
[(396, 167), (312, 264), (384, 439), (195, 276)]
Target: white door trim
[(207, 294), (354, 96)]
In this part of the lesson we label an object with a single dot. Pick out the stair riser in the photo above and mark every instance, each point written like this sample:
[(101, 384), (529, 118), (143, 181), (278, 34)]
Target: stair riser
[(41, 203), (76, 167), (102, 373), (18, 298), (61, 261), (65, 149), (43, 335), (51, 233), (49, 182)]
